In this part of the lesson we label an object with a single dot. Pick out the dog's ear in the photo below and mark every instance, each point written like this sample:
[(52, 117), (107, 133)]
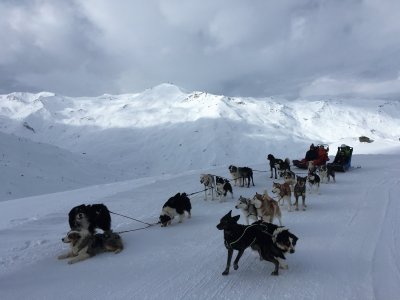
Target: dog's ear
[(236, 218)]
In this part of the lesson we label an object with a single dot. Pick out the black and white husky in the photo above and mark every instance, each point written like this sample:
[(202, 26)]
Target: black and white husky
[(223, 187), (313, 182), (326, 172), (175, 206), (90, 217)]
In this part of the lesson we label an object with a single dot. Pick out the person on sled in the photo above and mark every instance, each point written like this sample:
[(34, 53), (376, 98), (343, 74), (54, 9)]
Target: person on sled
[(311, 154)]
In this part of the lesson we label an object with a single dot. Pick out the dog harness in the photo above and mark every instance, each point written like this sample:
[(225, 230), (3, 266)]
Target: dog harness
[(234, 242)]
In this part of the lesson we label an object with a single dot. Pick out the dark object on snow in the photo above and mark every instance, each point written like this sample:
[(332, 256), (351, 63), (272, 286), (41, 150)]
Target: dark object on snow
[(365, 139), (26, 125), (90, 217), (240, 237), (342, 160)]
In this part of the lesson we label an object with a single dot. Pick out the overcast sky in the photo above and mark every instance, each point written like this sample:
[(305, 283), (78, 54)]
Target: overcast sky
[(292, 48)]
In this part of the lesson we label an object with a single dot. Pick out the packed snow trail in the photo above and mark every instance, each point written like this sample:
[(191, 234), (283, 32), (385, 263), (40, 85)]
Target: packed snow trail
[(347, 248)]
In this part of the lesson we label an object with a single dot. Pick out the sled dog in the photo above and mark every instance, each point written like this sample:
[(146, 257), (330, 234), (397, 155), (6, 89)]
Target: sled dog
[(175, 206), (248, 209), (223, 187), (209, 185), (243, 174), (90, 217), (282, 238), (267, 208), (84, 244), (300, 191), (239, 237), (284, 193), (313, 181)]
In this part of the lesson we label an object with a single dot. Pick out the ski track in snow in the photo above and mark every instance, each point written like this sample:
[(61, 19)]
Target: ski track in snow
[(348, 239)]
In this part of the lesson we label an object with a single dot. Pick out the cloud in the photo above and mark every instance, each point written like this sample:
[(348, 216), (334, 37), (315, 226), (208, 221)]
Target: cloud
[(326, 86), (236, 47)]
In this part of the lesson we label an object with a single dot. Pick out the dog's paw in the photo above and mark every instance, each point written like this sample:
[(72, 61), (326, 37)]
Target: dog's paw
[(283, 266), (275, 273), (63, 256), (226, 272), (235, 267)]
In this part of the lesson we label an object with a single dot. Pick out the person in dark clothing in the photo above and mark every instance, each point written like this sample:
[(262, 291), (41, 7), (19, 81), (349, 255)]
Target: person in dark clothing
[(312, 154)]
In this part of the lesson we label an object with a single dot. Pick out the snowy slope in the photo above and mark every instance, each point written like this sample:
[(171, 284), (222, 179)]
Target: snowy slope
[(348, 244), (30, 168)]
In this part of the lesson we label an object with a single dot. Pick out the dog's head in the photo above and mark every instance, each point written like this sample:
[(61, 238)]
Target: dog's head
[(257, 200), (204, 179), (301, 181), (227, 221), (165, 220), (270, 157), (284, 239), (80, 216), (232, 169), (312, 176), (220, 180), (74, 236), (276, 187), (242, 203)]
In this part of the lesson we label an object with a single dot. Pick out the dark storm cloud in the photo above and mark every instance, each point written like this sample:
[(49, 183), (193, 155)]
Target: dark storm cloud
[(248, 48)]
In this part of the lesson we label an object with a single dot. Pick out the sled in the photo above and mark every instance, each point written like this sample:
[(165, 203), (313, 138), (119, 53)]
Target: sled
[(342, 161), (319, 161)]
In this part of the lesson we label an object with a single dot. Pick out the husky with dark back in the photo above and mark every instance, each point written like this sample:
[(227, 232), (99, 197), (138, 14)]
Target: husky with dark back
[(90, 217), (243, 174), (272, 164), (175, 206), (223, 187), (300, 191), (248, 209), (239, 237), (284, 193), (326, 172), (289, 177), (277, 164), (84, 244), (283, 167), (313, 181), (267, 208), (209, 185)]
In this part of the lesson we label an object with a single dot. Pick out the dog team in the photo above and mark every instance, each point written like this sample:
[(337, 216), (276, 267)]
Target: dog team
[(271, 241)]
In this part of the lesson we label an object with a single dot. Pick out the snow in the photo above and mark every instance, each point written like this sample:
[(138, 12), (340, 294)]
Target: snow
[(140, 149)]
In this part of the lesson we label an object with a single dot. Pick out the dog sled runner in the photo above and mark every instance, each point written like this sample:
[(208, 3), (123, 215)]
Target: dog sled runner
[(342, 160), (320, 157)]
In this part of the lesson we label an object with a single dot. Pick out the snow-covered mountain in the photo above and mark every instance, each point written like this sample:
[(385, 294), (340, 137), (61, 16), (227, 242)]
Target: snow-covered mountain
[(152, 132)]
